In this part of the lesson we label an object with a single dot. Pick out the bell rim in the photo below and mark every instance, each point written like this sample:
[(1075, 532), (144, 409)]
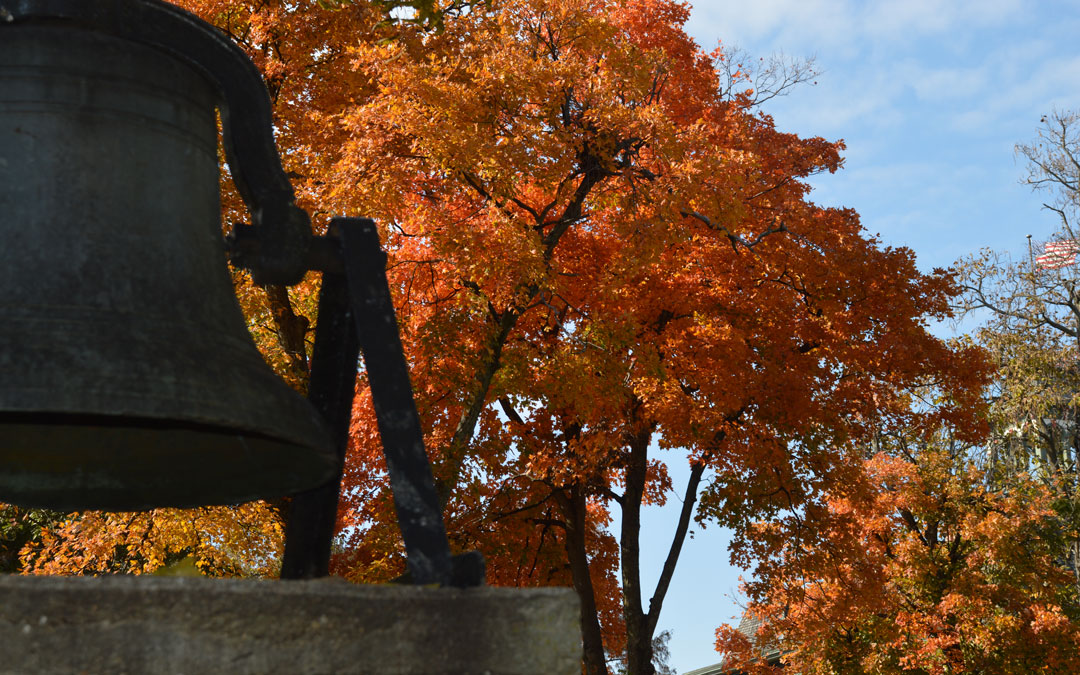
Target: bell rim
[(69, 463)]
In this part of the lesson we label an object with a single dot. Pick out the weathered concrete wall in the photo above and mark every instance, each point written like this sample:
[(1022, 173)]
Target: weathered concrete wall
[(192, 625)]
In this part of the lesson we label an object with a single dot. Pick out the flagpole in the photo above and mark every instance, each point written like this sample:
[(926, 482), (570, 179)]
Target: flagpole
[(1031, 265)]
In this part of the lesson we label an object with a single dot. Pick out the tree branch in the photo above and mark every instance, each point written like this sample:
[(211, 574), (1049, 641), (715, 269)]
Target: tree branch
[(689, 500)]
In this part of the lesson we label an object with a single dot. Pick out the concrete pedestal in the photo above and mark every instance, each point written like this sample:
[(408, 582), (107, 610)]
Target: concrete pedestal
[(193, 625)]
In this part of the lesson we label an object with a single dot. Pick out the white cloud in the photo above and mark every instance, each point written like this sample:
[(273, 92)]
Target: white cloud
[(940, 84), (811, 26), (1020, 92), (921, 18), (968, 66), (800, 25)]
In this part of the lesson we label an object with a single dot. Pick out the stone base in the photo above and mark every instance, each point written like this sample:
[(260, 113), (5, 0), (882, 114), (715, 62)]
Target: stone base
[(194, 625)]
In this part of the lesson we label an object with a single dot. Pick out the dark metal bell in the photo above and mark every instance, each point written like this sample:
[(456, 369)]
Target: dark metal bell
[(128, 379)]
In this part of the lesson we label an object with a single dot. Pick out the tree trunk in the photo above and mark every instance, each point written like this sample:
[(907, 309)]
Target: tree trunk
[(572, 503), (291, 329), (638, 634), (454, 455)]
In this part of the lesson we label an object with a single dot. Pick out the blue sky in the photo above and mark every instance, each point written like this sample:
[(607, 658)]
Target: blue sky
[(931, 98)]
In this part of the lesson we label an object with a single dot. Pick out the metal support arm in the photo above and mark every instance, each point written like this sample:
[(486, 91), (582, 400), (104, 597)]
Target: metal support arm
[(356, 315)]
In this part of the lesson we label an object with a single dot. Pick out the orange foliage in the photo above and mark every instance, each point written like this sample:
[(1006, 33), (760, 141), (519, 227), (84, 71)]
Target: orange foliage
[(244, 540), (914, 566)]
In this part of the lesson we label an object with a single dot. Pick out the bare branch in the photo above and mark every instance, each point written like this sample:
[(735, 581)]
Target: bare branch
[(763, 79)]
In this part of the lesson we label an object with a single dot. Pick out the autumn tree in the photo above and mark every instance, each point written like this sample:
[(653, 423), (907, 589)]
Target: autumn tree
[(914, 565), (1031, 308), (600, 255)]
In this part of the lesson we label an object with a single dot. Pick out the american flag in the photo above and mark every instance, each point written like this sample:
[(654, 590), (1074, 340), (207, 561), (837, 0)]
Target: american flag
[(1058, 254)]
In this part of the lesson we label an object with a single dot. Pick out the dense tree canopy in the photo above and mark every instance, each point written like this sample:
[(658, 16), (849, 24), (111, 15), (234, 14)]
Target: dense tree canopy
[(602, 254), (916, 566)]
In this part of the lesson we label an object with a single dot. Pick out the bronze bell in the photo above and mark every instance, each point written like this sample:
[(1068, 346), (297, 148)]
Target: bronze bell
[(128, 378)]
